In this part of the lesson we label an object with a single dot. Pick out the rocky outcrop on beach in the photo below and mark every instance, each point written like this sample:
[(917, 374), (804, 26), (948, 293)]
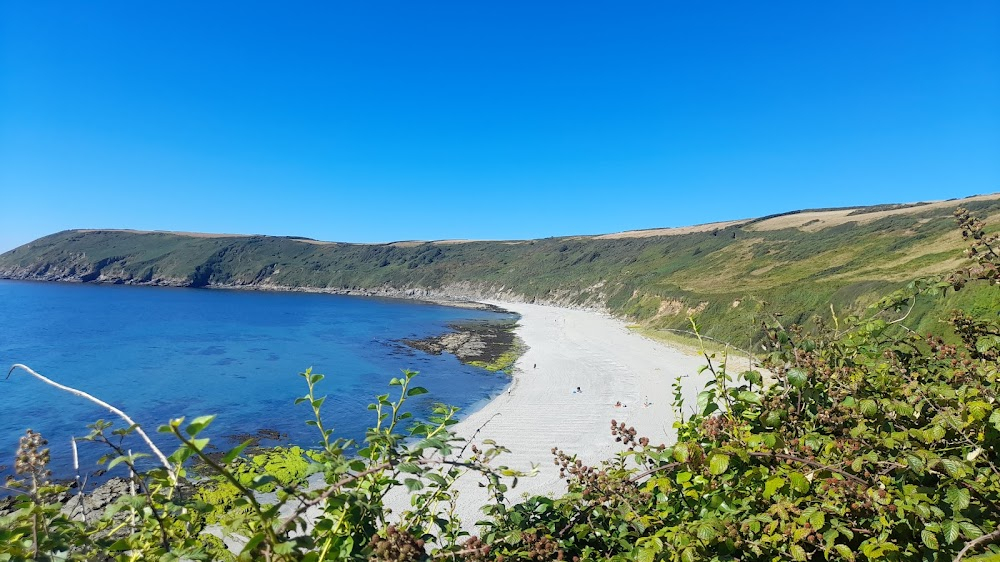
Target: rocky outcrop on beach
[(492, 345), (88, 506), (463, 345)]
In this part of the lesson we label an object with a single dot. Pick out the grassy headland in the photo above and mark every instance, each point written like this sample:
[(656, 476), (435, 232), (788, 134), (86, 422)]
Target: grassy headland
[(726, 275)]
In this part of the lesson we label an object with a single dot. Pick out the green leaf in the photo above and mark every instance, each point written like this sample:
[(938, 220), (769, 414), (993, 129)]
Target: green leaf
[(646, 555), (987, 343), (706, 532), (718, 463), (706, 402), (117, 461), (416, 391), (752, 377), (413, 484), (797, 552), (915, 463), (934, 433), (922, 510), (681, 452), (262, 480), (797, 378), (807, 513), (954, 468), (772, 486), (957, 497), (844, 551), (817, 520), (868, 407), (198, 424), (929, 539), (748, 397), (436, 478), (970, 530), (951, 531), (228, 458), (409, 468), (252, 544), (119, 545), (799, 482), (978, 409)]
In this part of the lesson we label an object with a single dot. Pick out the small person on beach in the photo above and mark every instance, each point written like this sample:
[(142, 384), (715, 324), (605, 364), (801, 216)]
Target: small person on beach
[(578, 391)]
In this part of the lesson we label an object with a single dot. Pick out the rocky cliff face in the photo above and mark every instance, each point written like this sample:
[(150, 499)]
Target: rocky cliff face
[(81, 270), (78, 268)]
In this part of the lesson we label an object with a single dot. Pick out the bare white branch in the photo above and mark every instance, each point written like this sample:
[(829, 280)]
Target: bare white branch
[(156, 451)]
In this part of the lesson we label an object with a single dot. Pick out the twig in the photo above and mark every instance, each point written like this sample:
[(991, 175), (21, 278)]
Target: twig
[(79, 486), (131, 486), (103, 404), (818, 466), (454, 553), (164, 539), (716, 340), (815, 464), (249, 495), (306, 504), (985, 539), (913, 303), (469, 442), (641, 475), (332, 488)]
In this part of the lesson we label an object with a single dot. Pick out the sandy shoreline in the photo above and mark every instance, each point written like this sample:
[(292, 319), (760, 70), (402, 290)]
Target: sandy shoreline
[(570, 348)]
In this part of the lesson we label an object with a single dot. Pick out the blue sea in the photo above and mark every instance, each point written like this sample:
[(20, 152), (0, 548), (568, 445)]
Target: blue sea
[(160, 353)]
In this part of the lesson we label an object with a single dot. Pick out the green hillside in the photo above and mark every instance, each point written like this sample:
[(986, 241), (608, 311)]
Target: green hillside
[(725, 274)]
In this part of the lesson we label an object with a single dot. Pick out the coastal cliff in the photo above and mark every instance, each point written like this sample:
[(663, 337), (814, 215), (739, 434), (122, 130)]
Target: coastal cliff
[(726, 274)]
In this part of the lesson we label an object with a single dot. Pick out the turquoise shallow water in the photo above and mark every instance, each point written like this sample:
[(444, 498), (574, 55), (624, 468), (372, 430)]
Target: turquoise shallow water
[(161, 353)]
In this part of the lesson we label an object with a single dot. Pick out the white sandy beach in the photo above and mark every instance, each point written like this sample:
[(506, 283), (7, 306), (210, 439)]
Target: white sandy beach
[(569, 349)]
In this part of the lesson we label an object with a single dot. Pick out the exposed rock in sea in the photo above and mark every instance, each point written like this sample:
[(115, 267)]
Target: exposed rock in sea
[(489, 344)]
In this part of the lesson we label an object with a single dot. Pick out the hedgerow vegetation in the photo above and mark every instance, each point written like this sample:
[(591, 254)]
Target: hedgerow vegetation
[(874, 442)]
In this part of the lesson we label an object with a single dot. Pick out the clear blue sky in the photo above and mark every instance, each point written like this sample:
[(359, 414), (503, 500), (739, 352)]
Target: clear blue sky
[(380, 121)]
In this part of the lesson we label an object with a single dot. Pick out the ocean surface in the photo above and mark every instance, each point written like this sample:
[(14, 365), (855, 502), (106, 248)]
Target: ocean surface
[(161, 353)]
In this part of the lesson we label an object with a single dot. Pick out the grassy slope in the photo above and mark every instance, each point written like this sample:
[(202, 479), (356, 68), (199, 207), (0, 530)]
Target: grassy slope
[(725, 277)]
